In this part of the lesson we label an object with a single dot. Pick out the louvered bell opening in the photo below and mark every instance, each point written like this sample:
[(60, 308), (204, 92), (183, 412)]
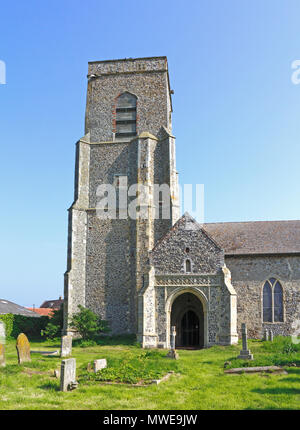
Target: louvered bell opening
[(126, 116)]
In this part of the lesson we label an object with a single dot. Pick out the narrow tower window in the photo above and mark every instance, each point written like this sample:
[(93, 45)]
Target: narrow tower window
[(126, 115), (188, 266)]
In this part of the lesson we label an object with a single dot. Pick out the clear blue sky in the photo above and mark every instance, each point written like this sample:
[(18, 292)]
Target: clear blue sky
[(236, 113)]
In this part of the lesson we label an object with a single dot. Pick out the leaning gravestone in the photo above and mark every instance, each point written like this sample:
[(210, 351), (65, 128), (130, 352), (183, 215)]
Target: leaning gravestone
[(23, 348), (245, 353), (100, 364), (68, 375), (2, 342), (66, 346)]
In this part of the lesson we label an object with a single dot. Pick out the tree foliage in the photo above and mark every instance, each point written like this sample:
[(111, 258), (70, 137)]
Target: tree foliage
[(87, 323), (54, 327)]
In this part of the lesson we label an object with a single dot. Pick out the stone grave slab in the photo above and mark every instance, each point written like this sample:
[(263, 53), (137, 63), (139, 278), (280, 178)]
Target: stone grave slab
[(100, 364), (260, 369)]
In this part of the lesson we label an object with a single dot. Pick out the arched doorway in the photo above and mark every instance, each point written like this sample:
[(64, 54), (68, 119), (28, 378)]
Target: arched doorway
[(188, 318)]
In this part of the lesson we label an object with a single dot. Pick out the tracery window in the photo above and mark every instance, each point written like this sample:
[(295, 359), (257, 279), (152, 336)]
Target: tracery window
[(272, 301)]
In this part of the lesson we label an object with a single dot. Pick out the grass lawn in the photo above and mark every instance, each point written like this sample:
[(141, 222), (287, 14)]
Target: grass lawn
[(198, 381)]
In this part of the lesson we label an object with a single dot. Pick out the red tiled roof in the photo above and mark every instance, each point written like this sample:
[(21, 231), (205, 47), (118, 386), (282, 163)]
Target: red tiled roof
[(42, 311)]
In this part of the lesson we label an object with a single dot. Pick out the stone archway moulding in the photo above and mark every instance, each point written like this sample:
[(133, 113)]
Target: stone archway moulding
[(169, 303)]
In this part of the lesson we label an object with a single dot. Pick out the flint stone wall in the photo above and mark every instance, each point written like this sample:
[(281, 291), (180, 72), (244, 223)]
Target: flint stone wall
[(169, 255), (147, 79), (249, 274)]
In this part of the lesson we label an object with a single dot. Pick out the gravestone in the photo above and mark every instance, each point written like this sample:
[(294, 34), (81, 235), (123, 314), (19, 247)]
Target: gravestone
[(2, 332), (266, 334), (172, 353), (68, 375), (23, 348), (245, 353), (66, 346), (2, 355), (2, 342), (271, 336), (100, 364)]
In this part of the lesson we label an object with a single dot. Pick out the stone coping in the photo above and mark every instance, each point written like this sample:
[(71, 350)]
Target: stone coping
[(159, 57)]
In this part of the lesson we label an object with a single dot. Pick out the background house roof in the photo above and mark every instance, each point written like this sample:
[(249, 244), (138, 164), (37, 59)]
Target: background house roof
[(53, 304), (256, 237), (7, 307)]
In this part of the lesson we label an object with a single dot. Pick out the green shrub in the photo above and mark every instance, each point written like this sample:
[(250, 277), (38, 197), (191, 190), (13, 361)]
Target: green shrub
[(31, 326), (8, 320), (54, 327), (88, 324), (16, 324)]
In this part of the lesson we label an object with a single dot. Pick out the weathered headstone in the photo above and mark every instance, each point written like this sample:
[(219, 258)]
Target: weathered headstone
[(266, 334), (2, 342), (66, 346), (245, 353), (68, 375), (23, 348), (2, 332), (271, 336), (2, 355), (172, 353), (100, 364)]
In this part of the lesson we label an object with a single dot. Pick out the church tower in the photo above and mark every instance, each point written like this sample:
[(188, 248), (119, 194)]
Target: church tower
[(128, 143)]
